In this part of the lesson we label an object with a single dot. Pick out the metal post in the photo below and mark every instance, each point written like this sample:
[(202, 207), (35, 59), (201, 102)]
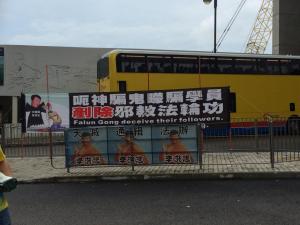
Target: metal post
[(200, 144), (256, 135), (131, 151), (271, 143), (67, 156), (230, 139), (51, 147), (215, 25), (22, 144), (131, 157)]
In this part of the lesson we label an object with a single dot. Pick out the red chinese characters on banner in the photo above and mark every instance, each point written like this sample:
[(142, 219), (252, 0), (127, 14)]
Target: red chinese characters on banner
[(81, 112), (92, 112), (103, 112)]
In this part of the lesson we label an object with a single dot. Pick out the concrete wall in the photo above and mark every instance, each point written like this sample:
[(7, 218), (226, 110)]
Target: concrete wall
[(69, 69), (286, 27)]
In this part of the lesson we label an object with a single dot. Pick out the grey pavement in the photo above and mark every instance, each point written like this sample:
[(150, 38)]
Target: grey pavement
[(215, 166)]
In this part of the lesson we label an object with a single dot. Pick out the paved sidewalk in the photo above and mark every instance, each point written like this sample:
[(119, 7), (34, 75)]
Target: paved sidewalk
[(215, 166)]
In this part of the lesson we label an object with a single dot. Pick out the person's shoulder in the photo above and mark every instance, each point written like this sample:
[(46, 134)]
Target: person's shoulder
[(94, 149), (79, 149), (183, 146), (28, 106), (167, 146), (2, 155), (42, 107), (123, 147), (137, 148)]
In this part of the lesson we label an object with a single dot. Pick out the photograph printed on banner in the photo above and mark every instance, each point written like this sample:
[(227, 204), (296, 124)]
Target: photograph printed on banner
[(129, 146), (43, 112), (175, 144), (86, 147)]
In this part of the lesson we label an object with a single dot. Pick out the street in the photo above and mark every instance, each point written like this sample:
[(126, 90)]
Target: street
[(182, 202)]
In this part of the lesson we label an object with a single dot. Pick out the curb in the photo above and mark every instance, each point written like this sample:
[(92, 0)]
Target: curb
[(159, 177)]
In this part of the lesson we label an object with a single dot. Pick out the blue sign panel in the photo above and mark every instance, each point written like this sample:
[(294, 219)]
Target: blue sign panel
[(86, 146), (131, 145), (174, 144)]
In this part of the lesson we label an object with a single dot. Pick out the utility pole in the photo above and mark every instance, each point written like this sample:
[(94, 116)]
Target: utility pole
[(215, 21)]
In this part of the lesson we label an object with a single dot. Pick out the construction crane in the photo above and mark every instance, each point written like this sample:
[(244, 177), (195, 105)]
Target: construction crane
[(262, 29)]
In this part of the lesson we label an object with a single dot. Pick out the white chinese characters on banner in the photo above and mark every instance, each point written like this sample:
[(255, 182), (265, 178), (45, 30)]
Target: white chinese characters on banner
[(136, 98), (214, 94), (155, 98), (213, 108), (194, 96), (99, 99), (124, 111), (82, 100), (174, 97), (118, 99)]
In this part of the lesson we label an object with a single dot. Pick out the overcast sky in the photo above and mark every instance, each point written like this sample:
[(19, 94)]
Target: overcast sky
[(150, 24)]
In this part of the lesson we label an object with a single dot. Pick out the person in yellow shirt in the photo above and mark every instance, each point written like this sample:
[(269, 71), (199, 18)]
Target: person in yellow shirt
[(5, 169)]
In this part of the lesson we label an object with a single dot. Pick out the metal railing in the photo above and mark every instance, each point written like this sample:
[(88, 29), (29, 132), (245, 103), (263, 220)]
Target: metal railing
[(18, 144), (244, 141)]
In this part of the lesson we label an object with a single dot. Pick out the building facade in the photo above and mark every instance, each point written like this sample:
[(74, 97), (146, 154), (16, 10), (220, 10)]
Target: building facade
[(41, 69), (286, 27)]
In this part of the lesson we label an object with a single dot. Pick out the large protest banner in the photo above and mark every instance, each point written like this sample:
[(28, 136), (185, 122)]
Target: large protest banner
[(76, 110), (203, 105)]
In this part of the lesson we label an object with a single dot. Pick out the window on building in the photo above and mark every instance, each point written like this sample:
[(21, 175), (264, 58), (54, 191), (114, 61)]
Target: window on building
[(160, 64), (225, 65), (131, 63), (273, 66), (185, 64), (103, 68), (285, 66), (122, 86), (295, 67), (262, 66), (245, 66), (292, 107), (207, 65)]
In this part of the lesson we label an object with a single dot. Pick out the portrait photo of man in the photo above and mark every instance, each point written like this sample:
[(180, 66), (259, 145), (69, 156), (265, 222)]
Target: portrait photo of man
[(128, 149), (36, 115), (175, 151), (86, 153)]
